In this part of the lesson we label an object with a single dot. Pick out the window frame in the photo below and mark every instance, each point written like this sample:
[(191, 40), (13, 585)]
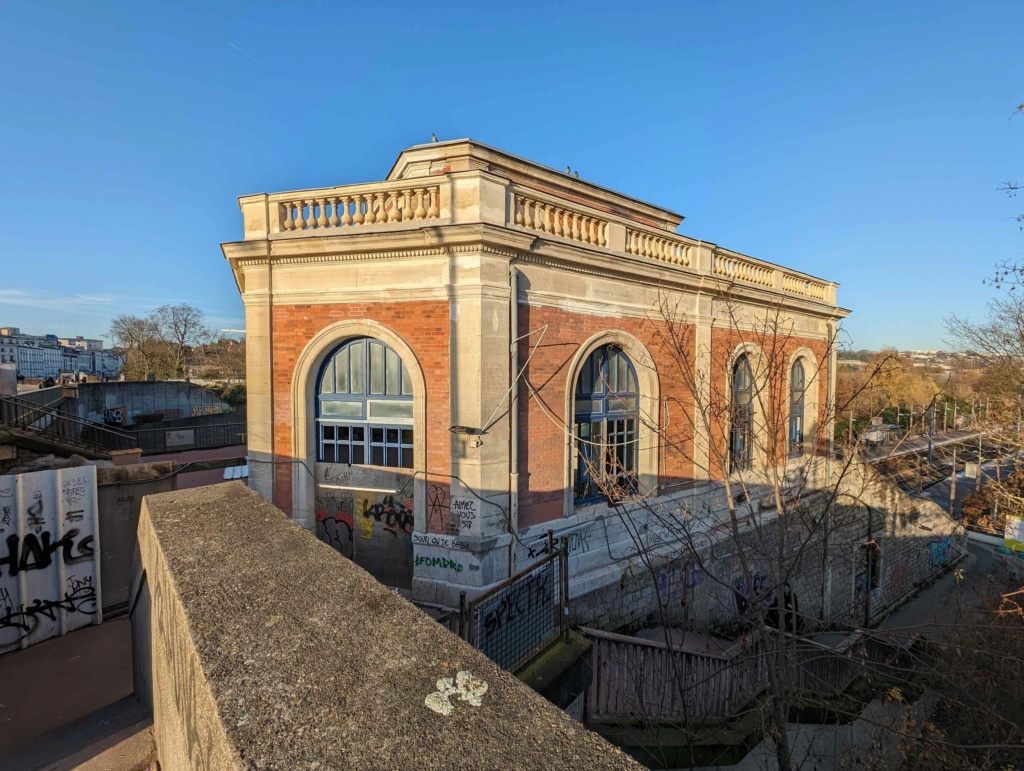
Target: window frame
[(606, 427), (797, 408), (741, 415), (343, 409)]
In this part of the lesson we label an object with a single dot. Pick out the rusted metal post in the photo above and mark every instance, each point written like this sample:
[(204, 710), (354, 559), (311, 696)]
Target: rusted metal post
[(463, 626), (563, 570)]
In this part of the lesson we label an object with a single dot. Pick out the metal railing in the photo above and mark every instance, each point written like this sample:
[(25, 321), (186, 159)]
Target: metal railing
[(181, 437), (56, 425), (516, 619)]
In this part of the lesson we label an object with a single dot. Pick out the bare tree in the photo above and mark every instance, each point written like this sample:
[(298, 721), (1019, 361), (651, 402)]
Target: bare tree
[(783, 509), (181, 327)]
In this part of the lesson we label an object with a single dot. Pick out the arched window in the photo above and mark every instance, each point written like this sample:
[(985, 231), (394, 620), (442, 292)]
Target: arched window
[(607, 413), (741, 431), (364, 407), (797, 389)]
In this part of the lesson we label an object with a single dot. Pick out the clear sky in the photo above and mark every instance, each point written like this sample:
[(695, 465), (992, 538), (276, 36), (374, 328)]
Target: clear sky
[(859, 141)]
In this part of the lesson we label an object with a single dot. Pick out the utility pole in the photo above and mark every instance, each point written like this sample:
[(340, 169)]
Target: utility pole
[(952, 487), (849, 429), (977, 481), (945, 410), (931, 431)]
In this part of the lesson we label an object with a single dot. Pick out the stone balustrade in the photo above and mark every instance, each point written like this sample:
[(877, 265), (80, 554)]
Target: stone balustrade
[(806, 287), (673, 250), (355, 207), (734, 268), (559, 220), (402, 204)]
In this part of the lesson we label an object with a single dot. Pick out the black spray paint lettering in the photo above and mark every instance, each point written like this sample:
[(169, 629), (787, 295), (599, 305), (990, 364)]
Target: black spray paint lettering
[(535, 594), (464, 509), (395, 515), (38, 555), (25, 618)]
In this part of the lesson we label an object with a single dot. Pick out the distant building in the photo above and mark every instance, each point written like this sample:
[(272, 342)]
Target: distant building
[(42, 356)]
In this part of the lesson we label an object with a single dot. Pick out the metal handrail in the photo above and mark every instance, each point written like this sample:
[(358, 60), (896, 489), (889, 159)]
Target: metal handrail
[(24, 415)]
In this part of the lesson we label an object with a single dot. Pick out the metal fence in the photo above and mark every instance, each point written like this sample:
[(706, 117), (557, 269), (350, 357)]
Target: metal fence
[(173, 439), (46, 423), (514, 620)]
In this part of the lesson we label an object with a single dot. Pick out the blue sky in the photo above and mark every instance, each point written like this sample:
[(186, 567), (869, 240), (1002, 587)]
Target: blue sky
[(861, 142)]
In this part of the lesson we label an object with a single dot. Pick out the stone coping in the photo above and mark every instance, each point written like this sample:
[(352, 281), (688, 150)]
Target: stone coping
[(311, 663)]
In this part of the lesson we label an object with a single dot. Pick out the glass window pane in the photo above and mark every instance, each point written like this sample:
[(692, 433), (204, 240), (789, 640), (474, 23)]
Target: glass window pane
[(327, 381), (341, 371), (392, 457), (391, 366), (358, 454), (407, 436), (391, 409), (343, 433), (338, 409), (356, 384), (377, 435), (328, 453), (392, 434), (358, 435), (376, 368), (377, 456), (406, 458), (406, 382), (342, 453), (328, 432), (585, 384), (620, 381)]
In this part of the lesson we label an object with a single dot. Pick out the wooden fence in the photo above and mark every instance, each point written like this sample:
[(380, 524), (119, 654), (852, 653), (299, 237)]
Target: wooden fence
[(652, 682)]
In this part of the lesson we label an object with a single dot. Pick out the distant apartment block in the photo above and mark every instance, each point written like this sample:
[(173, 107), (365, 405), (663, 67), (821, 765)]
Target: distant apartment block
[(41, 356)]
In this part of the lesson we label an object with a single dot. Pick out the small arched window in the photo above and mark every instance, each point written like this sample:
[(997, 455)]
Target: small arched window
[(797, 390), (741, 431), (607, 420), (364, 407)]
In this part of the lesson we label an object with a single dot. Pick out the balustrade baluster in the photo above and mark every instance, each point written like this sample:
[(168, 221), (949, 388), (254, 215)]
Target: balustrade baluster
[(519, 218), (286, 217), (557, 220), (575, 224), (371, 216), (528, 213), (321, 221), (421, 211), (333, 220), (432, 208), (406, 205), (587, 226), (358, 217), (542, 217), (602, 232), (346, 215), (393, 215), (302, 222)]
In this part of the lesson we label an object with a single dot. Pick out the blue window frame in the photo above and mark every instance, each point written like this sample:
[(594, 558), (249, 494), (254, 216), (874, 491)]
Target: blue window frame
[(797, 390), (741, 431), (607, 422), (365, 407)]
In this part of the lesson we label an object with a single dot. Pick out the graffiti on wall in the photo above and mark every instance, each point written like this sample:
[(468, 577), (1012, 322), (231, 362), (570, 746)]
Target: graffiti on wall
[(578, 538), (341, 514), (465, 510), (49, 555), (744, 597), (675, 576), (938, 552), (439, 514)]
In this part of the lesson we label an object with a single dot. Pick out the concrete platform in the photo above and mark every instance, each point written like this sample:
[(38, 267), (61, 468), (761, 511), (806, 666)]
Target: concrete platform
[(67, 703)]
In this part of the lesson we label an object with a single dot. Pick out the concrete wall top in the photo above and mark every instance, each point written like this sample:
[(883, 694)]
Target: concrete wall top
[(308, 659)]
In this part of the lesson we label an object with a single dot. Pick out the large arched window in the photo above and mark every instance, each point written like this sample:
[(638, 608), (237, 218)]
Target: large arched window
[(607, 421), (364, 407), (797, 389), (741, 432)]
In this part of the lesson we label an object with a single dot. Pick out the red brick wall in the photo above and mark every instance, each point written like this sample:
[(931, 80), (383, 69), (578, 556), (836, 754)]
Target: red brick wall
[(422, 325), (777, 354), (542, 440)]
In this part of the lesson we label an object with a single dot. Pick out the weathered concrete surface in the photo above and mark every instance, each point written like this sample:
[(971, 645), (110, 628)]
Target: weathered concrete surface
[(271, 650), (49, 685)]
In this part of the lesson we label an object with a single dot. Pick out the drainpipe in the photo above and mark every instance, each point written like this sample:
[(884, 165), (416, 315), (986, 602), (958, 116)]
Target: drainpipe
[(513, 414)]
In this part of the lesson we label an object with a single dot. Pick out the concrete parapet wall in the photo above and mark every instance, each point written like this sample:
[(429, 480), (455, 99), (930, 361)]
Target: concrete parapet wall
[(259, 646)]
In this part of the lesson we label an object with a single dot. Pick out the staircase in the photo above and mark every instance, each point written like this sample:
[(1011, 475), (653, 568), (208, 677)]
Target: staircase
[(46, 428)]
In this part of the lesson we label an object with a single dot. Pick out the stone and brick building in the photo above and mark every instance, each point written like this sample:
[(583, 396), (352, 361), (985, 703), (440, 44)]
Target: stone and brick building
[(447, 364)]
